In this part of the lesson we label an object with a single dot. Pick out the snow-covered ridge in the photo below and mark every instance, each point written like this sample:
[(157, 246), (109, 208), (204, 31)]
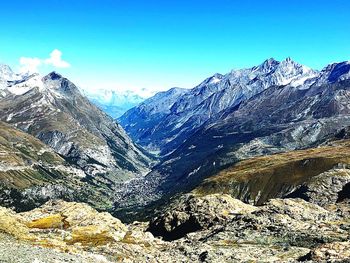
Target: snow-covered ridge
[(18, 83), (216, 95)]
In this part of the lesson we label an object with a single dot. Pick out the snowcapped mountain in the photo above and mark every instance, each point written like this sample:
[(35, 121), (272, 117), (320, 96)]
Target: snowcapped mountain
[(7, 74), (214, 95), (53, 110), (114, 103)]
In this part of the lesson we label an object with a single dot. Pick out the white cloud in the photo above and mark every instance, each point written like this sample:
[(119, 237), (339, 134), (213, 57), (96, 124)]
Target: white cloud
[(29, 64), (56, 60), (32, 64)]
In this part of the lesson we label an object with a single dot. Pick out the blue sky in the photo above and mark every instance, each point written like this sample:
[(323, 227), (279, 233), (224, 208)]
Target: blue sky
[(156, 45)]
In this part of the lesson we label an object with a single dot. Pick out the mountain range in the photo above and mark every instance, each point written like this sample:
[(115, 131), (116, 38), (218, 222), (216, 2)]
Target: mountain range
[(179, 137), (271, 108), (253, 165), (211, 97)]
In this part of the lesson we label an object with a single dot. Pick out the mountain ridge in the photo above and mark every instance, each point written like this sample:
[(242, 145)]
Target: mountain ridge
[(212, 96), (53, 110), (279, 119)]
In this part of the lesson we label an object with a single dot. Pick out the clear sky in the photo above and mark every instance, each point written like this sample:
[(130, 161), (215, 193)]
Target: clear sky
[(156, 45)]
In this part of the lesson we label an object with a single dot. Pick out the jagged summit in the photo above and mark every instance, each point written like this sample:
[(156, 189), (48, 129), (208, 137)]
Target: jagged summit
[(268, 64), (52, 76), (338, 71), (217, 77), (60, 85)]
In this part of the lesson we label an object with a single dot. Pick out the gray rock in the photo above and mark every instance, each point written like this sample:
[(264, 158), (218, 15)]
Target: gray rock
[(327, 188), (192, 213)]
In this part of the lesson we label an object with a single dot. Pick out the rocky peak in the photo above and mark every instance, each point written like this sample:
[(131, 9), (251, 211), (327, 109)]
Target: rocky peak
[(52, 76), (6, 72), (339, 71), (217, 77), (333, 73), (268, 65), (57, 83)]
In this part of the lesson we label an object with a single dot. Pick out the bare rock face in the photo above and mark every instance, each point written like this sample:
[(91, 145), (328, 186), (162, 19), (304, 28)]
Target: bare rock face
[(327, 188), (192, 213), (332, 252), (283, 230)]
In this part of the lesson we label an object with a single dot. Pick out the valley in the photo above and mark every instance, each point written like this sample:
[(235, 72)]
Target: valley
[(203, 174)]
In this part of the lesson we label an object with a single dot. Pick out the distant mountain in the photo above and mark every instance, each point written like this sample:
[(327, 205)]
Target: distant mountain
[(53, 110), (193, 108), (307, 112), (114, 103), (144, 119)]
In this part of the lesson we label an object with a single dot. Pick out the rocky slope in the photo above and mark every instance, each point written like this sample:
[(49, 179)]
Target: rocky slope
[(142, 121), (31, 173), (210, 228), (259, 179), (80, 140), (53, 110)]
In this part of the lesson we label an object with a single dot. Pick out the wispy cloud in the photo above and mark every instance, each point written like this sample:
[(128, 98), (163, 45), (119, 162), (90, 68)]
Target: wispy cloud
[(32, 64)]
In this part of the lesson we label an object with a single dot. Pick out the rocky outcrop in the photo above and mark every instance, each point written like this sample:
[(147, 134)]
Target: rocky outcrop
[(282, 230), (81, 223), (192, 213), (327, 188), (82, 232), (225, 230), (331, 252)]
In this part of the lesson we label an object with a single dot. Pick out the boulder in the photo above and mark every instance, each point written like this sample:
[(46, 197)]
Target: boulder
[(82, 223), (192, 213)]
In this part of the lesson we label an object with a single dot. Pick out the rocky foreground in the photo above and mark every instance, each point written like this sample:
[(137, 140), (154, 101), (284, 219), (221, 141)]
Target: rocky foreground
[(211, 228)]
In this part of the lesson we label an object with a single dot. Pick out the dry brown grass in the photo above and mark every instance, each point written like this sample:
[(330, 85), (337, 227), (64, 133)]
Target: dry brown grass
[(264, 177)]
